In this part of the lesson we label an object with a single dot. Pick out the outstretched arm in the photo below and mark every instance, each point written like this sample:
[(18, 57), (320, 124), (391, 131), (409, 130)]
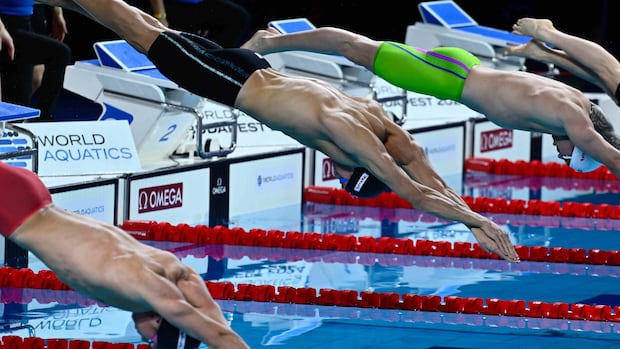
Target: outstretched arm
[(416, 164), (448, 205), (196, 313), (357, 48), (422, 187)]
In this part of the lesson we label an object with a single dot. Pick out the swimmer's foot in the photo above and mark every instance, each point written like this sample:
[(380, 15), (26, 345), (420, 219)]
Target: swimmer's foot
[(533, 49), (257, 42), (536, 28)]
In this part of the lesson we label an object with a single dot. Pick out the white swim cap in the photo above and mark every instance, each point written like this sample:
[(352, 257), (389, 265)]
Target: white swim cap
[(581, 162)]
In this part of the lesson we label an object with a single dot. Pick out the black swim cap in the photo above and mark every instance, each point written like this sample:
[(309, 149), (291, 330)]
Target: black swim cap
[(364, 185), (170, 337)]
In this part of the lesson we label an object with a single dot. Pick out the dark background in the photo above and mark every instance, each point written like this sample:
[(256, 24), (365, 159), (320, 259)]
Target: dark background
[(388, 19)]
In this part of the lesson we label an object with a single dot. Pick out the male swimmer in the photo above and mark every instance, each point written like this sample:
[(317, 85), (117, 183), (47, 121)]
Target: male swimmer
[(352, 131), (107, 264), (512, 99)]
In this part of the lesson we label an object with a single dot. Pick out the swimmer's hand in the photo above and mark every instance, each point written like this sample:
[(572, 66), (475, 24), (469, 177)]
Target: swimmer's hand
[(494, 240)]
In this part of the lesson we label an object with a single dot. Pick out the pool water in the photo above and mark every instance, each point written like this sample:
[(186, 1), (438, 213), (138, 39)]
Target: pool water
[(262, 324)]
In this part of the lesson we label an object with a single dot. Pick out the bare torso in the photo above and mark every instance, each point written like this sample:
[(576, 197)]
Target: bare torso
[(524, 101), (313, 112)]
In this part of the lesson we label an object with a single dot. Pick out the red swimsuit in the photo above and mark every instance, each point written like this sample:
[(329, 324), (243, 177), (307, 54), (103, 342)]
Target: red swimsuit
[(23, 194)]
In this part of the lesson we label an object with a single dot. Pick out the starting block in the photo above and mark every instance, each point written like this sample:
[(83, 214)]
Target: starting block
[(446, 24), (12, 146), (162, 116)]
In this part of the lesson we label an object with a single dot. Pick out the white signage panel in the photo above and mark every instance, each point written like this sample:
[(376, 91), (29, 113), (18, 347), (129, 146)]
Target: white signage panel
[(97, 202), (264, 184), (181, 197), (85, 147), (494, 142)]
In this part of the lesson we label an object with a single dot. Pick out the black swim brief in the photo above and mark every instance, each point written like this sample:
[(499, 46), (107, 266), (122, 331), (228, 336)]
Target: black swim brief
[(203, 67)]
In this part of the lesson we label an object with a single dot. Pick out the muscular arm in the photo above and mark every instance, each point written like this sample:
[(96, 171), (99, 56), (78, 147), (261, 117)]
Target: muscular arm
[(420, 185), (489, 235), (196, 313), (448, 205)]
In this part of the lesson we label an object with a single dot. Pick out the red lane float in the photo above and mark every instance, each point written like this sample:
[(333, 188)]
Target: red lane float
[(366, 299), (154, 231)]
